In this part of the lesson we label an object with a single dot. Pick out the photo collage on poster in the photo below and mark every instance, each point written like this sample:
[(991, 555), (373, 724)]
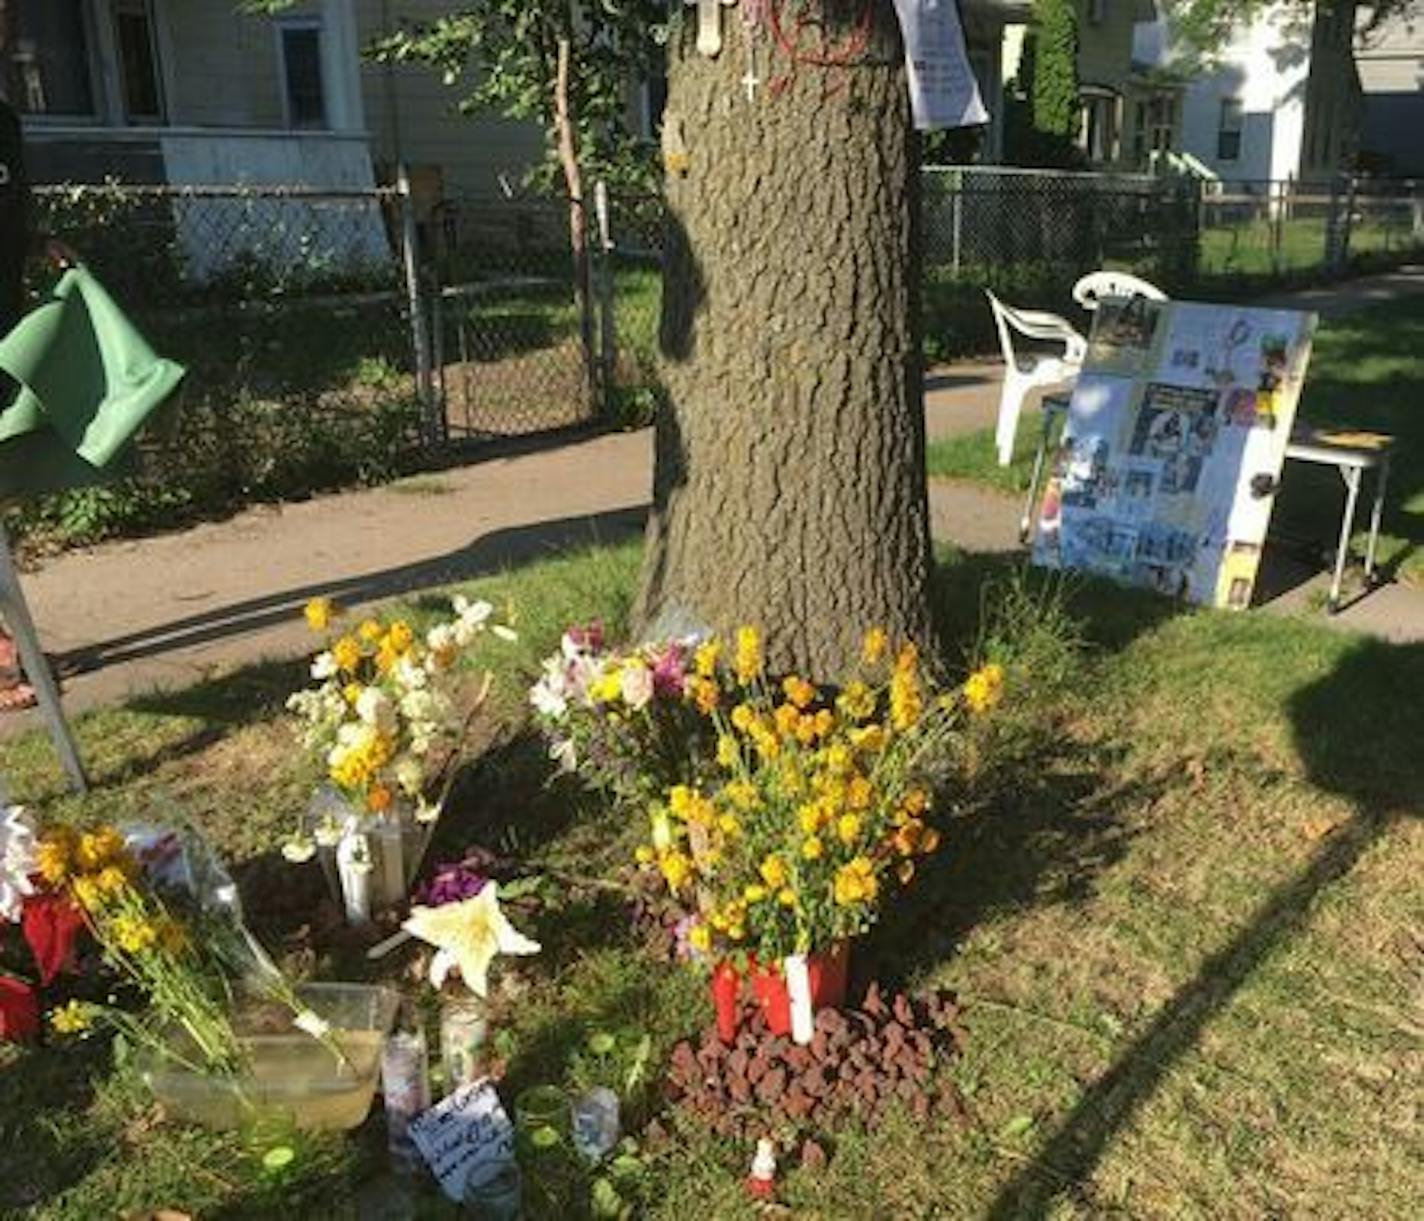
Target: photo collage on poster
[(1176, 433)]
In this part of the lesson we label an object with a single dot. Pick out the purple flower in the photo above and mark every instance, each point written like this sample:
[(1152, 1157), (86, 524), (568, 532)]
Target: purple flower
[(453, 882), (669, 672)]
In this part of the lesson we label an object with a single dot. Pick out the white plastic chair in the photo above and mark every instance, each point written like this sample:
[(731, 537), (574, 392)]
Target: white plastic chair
[(1099, 284), (1024, 371)]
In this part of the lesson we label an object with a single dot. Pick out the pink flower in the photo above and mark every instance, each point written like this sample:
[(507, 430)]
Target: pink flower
[(669, 672)]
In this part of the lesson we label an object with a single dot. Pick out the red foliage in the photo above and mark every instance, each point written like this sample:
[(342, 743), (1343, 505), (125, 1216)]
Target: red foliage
[(19, 1010), (51, 924)]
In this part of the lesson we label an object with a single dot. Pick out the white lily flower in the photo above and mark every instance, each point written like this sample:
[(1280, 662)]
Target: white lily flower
[(468, 935)]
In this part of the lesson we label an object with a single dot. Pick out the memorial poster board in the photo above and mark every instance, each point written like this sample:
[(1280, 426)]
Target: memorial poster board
[(1176, 434)]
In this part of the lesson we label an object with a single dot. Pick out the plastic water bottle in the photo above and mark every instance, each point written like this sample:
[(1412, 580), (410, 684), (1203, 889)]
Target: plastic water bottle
[(405, 1083), (596, 1129)]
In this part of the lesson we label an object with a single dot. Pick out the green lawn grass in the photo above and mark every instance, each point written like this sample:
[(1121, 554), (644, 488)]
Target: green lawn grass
[(1366, 372), (1181, 909)]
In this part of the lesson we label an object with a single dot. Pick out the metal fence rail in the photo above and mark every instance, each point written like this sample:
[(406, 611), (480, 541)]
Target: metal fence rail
[(332, 338), (292, 313)]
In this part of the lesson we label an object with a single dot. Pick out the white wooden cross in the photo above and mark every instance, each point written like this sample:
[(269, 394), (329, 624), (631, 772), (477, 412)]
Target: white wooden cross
[(709, 24)]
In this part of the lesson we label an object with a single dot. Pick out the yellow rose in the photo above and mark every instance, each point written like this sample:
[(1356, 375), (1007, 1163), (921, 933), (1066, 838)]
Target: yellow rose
[(798, 691), (400, 636), (773, 871), (748, 661), (369, 631), (727, 754), (700, 938), (812, 848), (55, 854), (754, 893), (857, 701), (786, 897), (984, 688), (677, 869), (319, 613), (743, 717), (848, 828), (347, 653), (704, 661)]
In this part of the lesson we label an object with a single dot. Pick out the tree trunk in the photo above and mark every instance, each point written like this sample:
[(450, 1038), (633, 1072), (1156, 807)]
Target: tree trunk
[(789, 488), (578, 214)]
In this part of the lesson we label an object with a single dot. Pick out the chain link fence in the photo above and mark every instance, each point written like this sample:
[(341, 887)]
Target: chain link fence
[(331, 340), (1030, 234), (289, 309), (515, 344)]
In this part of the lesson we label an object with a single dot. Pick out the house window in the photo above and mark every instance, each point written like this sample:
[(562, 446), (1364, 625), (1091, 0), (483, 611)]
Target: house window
[(51, 59), (1097, 11), (303, 90), (1097, 125), (1228, 132), (138, 61)]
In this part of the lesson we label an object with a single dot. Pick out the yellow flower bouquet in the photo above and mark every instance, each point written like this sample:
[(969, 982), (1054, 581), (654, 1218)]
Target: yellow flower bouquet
[(822, 803), (386, 721), (165, 918)]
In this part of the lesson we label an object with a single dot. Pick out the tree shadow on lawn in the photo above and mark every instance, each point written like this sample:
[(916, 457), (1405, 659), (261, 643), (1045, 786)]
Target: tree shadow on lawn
[(42, 1160), (1357, 732)]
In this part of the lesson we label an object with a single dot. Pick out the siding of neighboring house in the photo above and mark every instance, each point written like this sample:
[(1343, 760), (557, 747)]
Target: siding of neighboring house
[(1391, 67), (411, 116), (1290, 73), (1264, 69), (222, 66)]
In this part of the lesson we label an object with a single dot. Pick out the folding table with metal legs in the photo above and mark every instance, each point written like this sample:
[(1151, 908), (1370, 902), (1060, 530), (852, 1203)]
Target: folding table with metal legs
[(1352, 454), (21, 626)]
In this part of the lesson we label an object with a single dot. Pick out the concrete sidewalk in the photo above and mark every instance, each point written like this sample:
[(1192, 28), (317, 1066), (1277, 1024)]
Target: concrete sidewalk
[(174, 609)]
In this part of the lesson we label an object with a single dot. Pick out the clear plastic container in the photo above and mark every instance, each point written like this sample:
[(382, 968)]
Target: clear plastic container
[(294, 1078)]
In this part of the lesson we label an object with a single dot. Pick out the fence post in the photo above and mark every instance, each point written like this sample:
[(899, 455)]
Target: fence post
[(415, 302), (1337, 234), (607, 328), (956, 178)]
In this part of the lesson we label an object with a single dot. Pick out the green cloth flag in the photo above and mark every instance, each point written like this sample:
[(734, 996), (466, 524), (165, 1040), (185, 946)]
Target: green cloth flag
[(87, 382)]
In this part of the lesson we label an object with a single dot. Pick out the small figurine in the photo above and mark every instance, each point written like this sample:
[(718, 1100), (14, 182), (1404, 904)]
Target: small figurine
[(761, 1183)]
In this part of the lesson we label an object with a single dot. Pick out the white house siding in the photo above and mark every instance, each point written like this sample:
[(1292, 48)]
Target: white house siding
[(411, 116), (1265, 66)]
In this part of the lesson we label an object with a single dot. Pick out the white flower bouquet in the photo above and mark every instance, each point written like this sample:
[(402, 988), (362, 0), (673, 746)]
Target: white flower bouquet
[(386, 718)]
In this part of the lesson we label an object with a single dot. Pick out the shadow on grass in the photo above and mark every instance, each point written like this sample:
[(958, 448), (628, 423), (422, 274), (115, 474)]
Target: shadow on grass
[(1357, 731), (44, 1157)]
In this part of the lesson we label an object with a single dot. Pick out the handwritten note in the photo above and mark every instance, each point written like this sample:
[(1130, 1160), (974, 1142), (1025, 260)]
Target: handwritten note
[(943, 91), (466, 1138)]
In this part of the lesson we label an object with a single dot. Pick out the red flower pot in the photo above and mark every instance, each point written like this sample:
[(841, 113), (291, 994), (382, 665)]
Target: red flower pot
[(827, 973)]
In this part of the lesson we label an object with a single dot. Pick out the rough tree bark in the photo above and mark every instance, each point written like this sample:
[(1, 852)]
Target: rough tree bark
[(789, 488)]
